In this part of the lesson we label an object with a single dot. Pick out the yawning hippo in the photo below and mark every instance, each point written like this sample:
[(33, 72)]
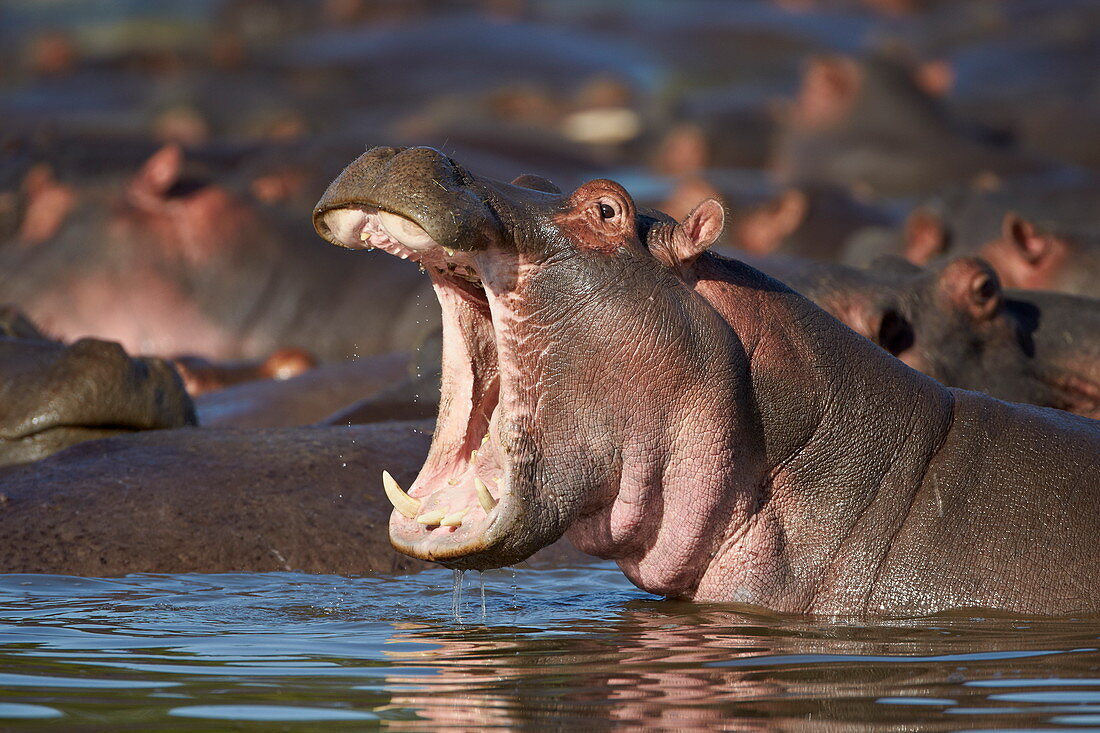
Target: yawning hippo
[(717, 434)]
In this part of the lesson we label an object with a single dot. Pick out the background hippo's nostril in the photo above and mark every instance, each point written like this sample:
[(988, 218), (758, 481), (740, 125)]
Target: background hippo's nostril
[(895, 333)]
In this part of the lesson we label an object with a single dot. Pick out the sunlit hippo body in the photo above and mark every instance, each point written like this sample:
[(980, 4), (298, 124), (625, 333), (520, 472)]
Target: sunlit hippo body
[(717, 434), (54, 395)]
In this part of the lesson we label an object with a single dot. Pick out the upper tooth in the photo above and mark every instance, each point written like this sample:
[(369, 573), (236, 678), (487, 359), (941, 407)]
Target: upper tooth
[(483, 496), (401, 501)]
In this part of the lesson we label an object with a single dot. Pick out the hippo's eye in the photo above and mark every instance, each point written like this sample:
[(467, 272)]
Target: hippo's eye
[(606, 212)]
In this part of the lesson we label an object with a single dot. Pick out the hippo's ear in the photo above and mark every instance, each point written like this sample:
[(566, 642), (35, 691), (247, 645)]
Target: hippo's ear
[(48, 205), (763, 230), (160, 173), (699, 230), (829, 89), (536, 183), (925, 237), (1032, 245)]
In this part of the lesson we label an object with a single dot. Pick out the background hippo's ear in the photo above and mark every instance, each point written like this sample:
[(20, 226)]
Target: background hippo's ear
[(537, 183), (925, 237), (699, 230), (48, 204), (830, 87), (160, 173), (765, 228), (1032, 245)]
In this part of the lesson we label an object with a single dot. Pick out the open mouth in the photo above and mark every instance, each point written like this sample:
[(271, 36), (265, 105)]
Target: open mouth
[(462, 500)]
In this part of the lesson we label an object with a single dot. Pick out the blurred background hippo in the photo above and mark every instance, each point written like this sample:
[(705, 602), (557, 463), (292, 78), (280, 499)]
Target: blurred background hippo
[(54, 395)]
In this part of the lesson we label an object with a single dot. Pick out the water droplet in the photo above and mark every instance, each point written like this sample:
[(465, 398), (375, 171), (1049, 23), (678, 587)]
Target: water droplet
[(481, 579)]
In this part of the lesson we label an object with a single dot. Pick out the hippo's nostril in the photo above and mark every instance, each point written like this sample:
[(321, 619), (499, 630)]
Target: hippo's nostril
[(895, 333)]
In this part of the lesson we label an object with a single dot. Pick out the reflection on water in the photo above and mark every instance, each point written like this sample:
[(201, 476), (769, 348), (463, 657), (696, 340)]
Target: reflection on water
[(561, 648)]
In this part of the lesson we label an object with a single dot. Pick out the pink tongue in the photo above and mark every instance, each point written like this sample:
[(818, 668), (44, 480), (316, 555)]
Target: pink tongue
[(406, 232)]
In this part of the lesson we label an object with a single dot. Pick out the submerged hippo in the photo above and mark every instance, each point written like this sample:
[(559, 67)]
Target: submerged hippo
[(208, 500), (720, 436), (54, 395)]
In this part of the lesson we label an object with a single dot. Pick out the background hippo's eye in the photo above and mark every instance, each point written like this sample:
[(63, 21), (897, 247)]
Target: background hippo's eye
[(606, 212)]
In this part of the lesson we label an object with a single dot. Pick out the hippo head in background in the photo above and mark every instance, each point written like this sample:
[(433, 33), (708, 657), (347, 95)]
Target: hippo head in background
[(1032, 256), (575, 360), (54, 395), (954, 322)]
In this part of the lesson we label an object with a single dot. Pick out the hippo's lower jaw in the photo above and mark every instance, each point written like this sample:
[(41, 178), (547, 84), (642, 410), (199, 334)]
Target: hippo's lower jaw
[(464, 509)]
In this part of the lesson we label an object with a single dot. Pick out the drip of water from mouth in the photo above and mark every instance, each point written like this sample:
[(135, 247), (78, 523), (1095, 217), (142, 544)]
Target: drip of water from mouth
[(456, 596), (481, 579)]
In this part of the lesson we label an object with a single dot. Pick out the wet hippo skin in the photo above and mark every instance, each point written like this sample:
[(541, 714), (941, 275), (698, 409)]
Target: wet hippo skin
[(210, 500), (54, 395), (717, 434), (216, 500)]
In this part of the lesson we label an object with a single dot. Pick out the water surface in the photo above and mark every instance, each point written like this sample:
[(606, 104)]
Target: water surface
[(556, 649)]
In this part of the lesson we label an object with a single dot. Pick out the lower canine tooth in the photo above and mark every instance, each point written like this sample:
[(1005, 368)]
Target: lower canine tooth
[(454, 519), (401, 501), (483, 496), (430, 518)]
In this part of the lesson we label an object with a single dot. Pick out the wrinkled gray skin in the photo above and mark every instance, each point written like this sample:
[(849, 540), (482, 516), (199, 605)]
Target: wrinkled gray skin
[(54, 395), (720, 436)]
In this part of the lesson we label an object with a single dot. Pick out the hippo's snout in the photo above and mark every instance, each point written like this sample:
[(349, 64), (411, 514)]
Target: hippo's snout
[(408, 202)]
